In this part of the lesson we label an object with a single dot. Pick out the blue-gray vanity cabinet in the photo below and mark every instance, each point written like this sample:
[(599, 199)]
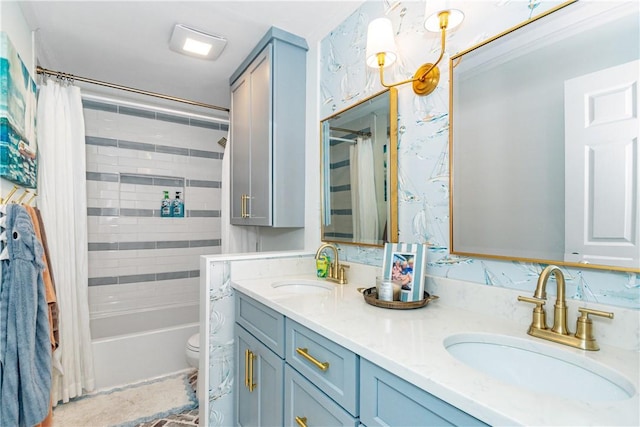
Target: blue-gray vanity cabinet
[(329, 366), (259, 360), (305, 404), (259, 379), (262, 322), (267, 123), (386, 400)]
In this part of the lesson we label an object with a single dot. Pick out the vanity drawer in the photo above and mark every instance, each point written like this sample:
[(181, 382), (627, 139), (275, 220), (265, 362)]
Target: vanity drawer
[(339, 380), (386, 400), (262, 322), (310, 405)]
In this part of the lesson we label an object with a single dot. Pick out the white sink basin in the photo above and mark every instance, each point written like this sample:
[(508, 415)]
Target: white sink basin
[(306, 286), (539, 367)]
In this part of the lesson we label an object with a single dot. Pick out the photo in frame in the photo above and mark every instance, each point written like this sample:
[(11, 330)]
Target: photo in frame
[(405, 263)]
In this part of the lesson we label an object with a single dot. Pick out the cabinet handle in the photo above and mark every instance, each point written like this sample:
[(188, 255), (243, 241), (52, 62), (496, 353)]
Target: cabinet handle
[(244, 212), (323, 366), (251, 384), (246, 368), (302, 421)]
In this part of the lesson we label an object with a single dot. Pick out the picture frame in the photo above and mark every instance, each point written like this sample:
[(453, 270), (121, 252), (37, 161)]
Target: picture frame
[(18, 106), (406, 263)]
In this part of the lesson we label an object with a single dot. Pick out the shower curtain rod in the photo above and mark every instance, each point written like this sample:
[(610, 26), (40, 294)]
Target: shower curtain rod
[(72, 77)]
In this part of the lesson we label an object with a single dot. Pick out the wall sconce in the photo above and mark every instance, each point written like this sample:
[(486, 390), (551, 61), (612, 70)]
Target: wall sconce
[(382, 52)]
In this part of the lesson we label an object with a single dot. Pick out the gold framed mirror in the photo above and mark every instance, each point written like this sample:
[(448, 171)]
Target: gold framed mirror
[(544, 156), (359, 176)]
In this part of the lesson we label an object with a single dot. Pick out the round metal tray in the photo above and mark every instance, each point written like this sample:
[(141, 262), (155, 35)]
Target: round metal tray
[(371, 297)]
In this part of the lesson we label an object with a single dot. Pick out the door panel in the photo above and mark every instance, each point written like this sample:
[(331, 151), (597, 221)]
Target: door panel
[(602, 160)]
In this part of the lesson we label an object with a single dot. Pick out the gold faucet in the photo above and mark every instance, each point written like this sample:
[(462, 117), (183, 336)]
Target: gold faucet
[(336, 271), (559, 333)]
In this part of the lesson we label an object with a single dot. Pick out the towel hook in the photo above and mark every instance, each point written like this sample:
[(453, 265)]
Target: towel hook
[(33, 196), (6, 200), (22, 196)]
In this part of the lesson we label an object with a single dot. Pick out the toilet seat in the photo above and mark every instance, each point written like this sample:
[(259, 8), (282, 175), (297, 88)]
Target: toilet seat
[(194, 342), (192, 350)]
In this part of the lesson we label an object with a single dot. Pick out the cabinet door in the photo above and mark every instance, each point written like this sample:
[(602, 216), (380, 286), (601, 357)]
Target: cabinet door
[(240, 144), (307, 405), (386, 400), (260, 382), (251, 144), (261, 149)]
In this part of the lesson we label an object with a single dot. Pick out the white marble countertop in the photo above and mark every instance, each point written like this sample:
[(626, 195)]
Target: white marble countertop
[(409, 343)]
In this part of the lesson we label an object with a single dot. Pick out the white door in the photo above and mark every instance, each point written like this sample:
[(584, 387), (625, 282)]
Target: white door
[(601, 167)]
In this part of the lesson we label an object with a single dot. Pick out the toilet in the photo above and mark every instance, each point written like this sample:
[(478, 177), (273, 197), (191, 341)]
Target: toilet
[(193, 350)]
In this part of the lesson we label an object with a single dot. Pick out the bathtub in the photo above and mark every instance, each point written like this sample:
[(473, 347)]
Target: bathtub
[(135, 346)]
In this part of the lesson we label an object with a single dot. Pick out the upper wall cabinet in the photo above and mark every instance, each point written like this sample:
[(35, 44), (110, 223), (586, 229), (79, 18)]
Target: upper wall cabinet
[(267, 133)]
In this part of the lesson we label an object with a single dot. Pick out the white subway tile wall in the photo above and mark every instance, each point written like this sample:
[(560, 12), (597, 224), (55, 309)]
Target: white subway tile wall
[(138, 259)]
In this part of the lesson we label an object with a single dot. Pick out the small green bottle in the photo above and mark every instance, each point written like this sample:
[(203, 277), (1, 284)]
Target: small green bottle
[(165, 206)]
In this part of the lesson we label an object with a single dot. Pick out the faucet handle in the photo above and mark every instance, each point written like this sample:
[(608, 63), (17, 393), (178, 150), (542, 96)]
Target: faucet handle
[(584, 327), (342, 278), (539, 302), (587, 311), (539, 316)]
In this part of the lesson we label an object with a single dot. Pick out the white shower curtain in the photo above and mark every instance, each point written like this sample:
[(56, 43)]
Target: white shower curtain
[(63, 204), (363, 192)]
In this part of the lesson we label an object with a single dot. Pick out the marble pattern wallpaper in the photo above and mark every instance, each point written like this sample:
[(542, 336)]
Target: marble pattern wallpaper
[(423, 139)]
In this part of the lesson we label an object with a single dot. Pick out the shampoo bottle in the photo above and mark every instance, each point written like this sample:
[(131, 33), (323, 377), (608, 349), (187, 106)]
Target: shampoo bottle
[(165, 206), (178, 206)]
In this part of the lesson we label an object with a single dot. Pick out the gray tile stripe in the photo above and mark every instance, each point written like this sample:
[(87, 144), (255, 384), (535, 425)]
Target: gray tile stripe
[(338, 188), (205, 154), (133, 179), (169, 182), (172, 150), (139, 212), (340, 164), (143, 146), (92, 105), (137, 278), (202, 213), (104, 142), (341, 212), (101, 176), (167, 244), (193, 213), (138, 112), (203, 183)]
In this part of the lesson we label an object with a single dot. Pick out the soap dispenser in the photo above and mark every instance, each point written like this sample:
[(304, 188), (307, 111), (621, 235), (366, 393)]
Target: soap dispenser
[(178, 206), (165, 206)]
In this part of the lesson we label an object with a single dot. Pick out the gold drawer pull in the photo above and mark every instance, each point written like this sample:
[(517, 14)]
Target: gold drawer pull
[(246, 368), (305, 353), (302, 422), (251, 385)]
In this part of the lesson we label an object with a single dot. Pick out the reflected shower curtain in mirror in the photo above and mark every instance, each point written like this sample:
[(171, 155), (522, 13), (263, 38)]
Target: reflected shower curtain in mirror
[(63, 203), (363, 192)]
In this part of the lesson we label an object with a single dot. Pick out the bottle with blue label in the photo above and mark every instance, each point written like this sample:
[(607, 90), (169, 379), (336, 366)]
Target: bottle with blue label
[(178, 206), (165, 206)]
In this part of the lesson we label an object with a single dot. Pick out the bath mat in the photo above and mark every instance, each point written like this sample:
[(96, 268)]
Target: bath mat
[(131, 405)]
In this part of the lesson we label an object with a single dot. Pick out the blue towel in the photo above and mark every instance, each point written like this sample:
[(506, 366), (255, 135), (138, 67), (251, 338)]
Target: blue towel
[(25, 373)]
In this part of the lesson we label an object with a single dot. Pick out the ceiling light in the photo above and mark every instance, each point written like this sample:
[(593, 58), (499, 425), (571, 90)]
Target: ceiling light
[(194, 46), (193, 42)]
